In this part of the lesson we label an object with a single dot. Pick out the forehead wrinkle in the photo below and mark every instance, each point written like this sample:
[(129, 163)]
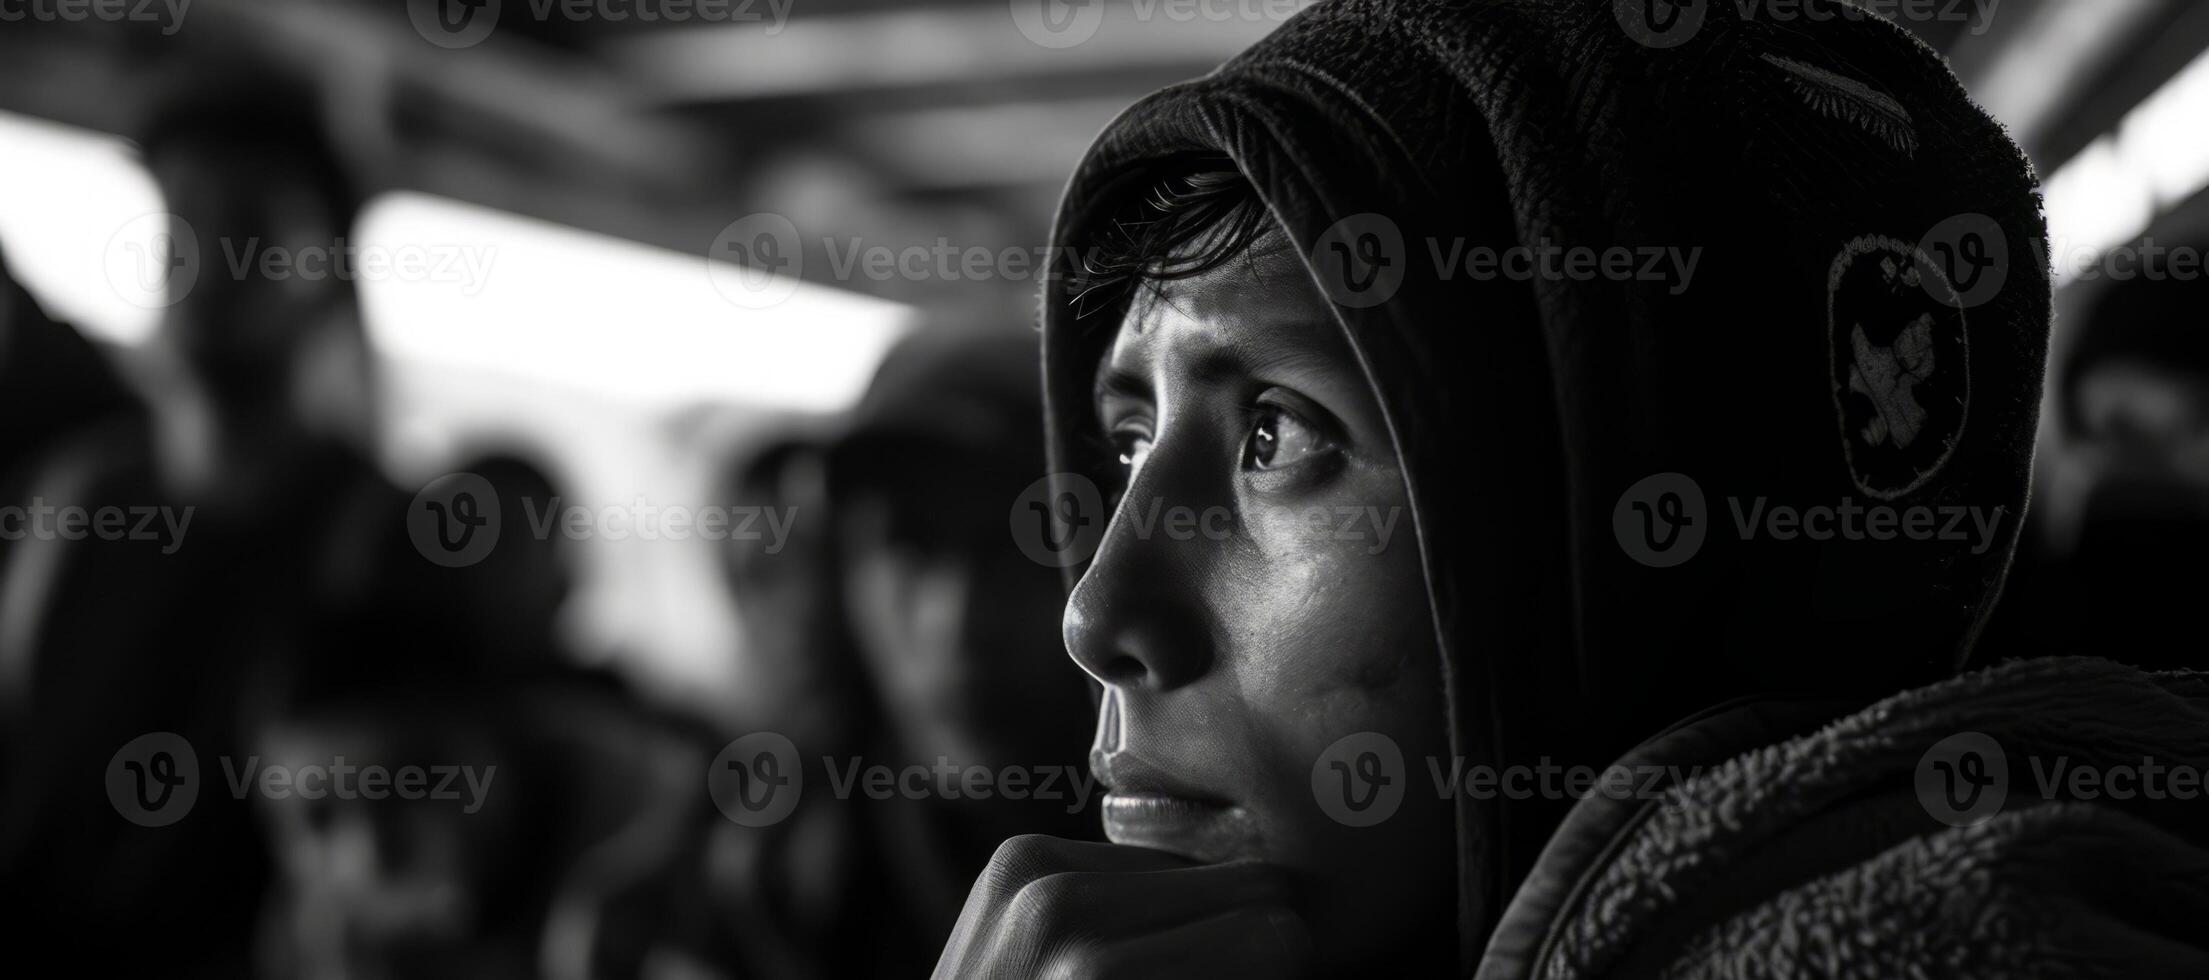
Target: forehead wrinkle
[(1213, 350), (1256, 315), (1223, 371)]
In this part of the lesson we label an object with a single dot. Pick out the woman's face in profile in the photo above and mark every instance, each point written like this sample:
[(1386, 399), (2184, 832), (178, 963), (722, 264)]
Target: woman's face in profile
[(1257, 598)]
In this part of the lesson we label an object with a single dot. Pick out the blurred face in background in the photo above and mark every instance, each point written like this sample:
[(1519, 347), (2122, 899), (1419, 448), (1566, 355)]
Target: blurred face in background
[(956, 627), (269, 318), (263, 231), (782, 596), (371, 882), (2148, 415)]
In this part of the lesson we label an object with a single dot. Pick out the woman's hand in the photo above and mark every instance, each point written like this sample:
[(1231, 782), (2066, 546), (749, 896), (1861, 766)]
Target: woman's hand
[(1055, 908)]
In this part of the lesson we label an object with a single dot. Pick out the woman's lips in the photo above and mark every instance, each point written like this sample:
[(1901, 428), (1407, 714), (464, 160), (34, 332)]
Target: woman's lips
[(1195, 829), (1143, 808)]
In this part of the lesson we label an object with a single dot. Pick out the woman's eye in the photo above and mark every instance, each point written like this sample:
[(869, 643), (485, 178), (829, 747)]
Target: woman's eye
[(1278, 439), (1134, 447)]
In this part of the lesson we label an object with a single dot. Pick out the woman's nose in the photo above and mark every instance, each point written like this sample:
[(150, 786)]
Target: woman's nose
[(1137, 618)]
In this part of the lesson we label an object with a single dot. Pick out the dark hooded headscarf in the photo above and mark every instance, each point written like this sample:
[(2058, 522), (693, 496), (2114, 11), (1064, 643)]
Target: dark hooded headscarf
[(1833, 293)]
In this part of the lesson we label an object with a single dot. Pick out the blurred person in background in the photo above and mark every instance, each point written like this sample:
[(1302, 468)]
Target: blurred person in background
[(52, 380), (283, 541), (569, 797), (741, 902), (392, 888), (586, 793), (954, 626), (899, 625), (124, 640), (515, 594), (2139, 397), (259, 371), (2113, 560), (802, 676)]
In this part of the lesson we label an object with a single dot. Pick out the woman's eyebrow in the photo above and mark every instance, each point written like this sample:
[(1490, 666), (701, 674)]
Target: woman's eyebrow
[(1113, 382)]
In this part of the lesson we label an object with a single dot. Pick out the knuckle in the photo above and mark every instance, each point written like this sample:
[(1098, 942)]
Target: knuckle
[(1017, 861), (1044, 905), (1023, 847)]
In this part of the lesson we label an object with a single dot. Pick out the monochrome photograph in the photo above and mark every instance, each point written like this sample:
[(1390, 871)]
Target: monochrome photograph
[(1104, 489)]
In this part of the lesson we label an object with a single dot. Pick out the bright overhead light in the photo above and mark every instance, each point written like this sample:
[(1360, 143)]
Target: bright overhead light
[(2034, 72), (2155, 159), (643, 324), (494, 290), (2167, 137), (70, 200), (2095, 203), (933, 46)]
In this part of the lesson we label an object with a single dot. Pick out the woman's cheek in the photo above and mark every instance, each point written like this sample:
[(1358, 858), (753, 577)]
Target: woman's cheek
[(1355, 612), (1328, 660)]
